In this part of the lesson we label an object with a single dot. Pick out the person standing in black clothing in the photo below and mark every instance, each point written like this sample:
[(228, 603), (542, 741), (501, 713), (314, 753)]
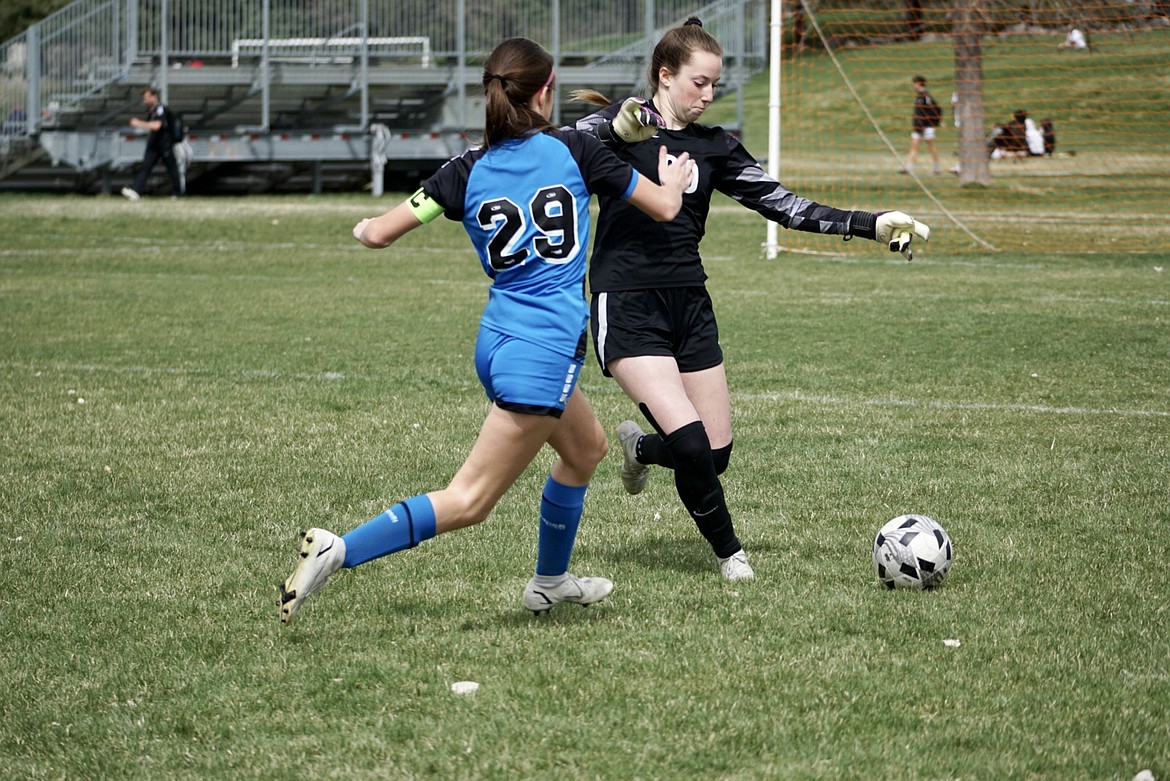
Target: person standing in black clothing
[(923, 126), (159, 146), (653, 322)]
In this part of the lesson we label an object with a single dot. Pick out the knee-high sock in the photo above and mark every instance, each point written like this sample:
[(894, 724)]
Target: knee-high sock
[(651, 450), (560, 515), (404, 525), (699, 487)]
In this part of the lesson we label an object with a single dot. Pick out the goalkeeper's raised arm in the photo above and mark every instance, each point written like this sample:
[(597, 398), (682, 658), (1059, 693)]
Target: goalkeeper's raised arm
[(632, 120), (742, 178), (745, 181)]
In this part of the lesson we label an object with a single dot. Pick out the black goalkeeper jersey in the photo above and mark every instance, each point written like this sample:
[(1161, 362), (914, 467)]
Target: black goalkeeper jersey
[(633, 252)]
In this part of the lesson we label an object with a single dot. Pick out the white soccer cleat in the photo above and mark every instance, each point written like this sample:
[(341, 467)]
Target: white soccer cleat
[(634, 475), (582, 591), (736, 567), (322, 554), (131, 194)]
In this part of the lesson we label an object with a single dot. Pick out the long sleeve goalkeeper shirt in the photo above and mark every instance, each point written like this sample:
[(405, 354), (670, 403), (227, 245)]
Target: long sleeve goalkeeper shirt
[(633, 252)]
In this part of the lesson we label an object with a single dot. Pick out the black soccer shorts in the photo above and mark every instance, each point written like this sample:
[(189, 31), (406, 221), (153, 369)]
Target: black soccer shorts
[(670, 321)]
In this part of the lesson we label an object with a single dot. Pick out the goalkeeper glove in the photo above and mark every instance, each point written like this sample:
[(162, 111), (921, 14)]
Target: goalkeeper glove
[(896, 230), (636, 121)]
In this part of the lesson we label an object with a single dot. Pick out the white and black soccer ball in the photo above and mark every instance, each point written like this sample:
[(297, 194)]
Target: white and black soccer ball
[(913, 552)]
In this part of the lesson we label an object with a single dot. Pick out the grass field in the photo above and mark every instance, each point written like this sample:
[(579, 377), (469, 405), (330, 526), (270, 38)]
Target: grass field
[(184, 386)]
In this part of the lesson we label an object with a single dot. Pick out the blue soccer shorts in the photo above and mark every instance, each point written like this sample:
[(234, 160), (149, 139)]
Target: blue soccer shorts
[(523, 377)]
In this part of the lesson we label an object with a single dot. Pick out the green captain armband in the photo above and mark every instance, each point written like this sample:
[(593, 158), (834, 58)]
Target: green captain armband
[(424, 207)]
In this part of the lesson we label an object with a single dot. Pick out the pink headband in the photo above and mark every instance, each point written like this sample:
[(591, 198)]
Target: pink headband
[(549, 80)]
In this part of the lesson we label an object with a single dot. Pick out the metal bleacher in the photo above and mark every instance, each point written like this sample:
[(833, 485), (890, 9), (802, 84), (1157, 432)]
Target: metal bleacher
[(275, 99)]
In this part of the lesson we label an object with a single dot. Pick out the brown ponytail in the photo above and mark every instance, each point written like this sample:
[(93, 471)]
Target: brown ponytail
[(516, 70), (589, 96)]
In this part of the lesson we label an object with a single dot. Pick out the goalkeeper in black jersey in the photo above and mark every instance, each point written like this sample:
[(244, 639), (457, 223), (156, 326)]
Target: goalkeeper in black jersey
[(653, 324)]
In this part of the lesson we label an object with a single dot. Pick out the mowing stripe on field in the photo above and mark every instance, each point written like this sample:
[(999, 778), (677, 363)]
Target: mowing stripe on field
[(947, 405), (179, 371), (610, 389)]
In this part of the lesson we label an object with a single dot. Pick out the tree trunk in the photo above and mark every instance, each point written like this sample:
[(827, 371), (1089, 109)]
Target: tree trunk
[(968, 43), (914, 19)]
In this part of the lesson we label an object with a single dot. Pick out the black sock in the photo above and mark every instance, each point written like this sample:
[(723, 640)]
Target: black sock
[(651, 450), (699, 487)]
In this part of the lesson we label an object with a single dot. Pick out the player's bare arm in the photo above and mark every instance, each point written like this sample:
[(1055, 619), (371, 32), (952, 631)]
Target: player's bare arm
[(381, 232)]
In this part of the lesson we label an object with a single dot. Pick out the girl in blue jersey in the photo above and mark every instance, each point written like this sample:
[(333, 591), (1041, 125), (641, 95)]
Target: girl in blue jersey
[(653, 321), (523, 198)]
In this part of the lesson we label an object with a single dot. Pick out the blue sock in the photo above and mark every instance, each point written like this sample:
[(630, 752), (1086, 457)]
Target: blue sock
[(560, 515), (404, 525)]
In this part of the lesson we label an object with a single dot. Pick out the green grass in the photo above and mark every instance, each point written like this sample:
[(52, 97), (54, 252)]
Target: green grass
[(247, 370)]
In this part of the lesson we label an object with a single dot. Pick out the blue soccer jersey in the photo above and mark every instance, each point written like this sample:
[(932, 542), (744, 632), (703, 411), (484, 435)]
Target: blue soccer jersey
[(525, 205)]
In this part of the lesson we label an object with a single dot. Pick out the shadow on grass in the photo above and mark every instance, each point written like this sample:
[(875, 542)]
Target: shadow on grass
[(681, 550)]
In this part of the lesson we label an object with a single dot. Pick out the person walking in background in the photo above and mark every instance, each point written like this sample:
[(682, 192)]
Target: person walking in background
[(160, 145), (653, 322), (523, 198), (923, 126)]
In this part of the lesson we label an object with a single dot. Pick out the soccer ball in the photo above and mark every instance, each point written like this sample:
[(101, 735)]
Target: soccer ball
[(912, 551)]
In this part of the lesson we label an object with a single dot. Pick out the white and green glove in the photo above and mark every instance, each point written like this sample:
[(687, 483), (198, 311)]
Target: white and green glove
[(896, 230), (636, 121)]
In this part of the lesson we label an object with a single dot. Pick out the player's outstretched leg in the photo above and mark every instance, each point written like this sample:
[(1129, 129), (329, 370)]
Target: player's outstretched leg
[(633, 473), (322, 554), (540, 597)]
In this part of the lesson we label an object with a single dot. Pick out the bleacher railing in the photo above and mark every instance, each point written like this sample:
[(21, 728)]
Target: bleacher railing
[(584, 28), (71, 54), (90, 44)]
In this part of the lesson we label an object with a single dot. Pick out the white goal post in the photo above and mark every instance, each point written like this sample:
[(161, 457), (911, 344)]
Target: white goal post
[(776, 32)]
